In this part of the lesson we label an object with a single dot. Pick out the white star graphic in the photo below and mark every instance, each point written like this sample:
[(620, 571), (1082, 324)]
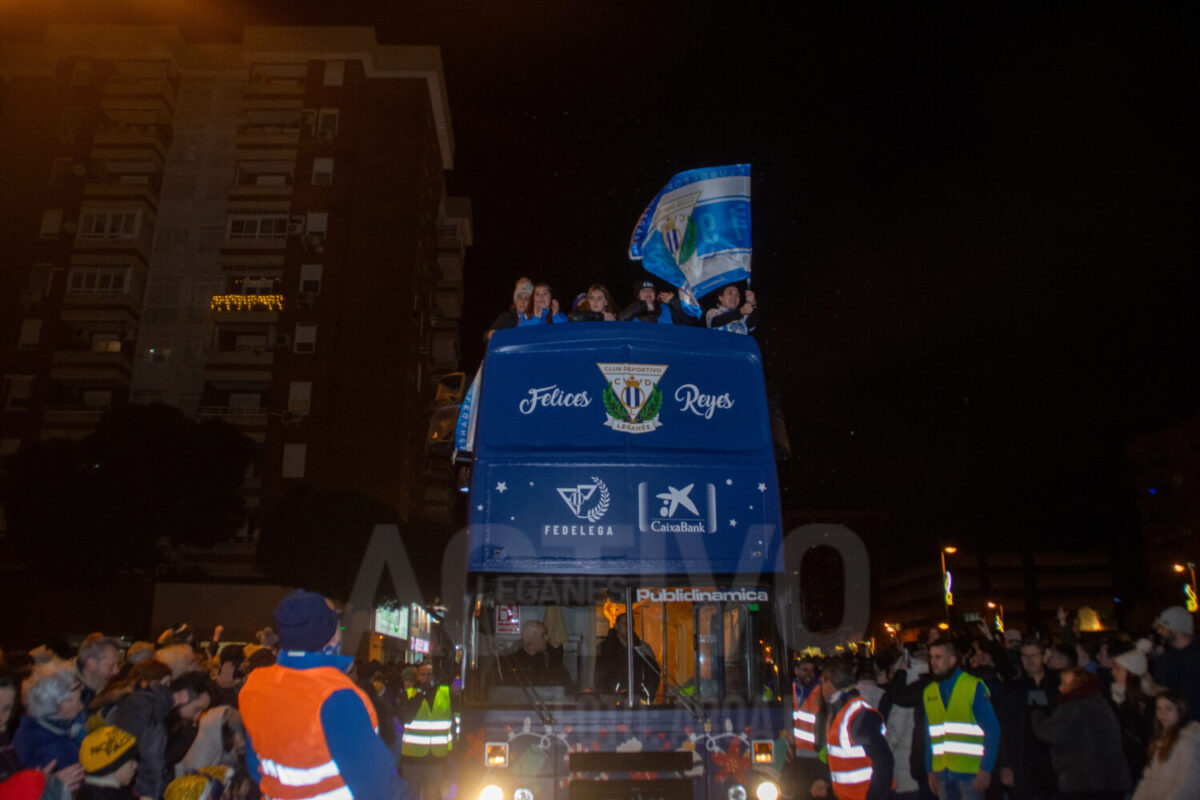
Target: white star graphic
[(479, 508), (729, 481), (751, 508), (733, 523), (762, 487), (501, 487)]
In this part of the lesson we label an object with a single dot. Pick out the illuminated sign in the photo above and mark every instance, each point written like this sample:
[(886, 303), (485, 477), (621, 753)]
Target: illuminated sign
[(392, 622), (418, 645)]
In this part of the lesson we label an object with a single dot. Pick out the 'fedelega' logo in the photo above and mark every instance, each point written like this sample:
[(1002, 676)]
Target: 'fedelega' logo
[(632, 398)]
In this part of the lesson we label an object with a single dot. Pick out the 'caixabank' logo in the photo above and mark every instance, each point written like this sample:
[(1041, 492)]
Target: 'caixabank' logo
[(632, 399)]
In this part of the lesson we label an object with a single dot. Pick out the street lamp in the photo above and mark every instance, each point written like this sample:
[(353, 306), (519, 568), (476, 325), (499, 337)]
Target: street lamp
[(1190, 590), (947, 580)]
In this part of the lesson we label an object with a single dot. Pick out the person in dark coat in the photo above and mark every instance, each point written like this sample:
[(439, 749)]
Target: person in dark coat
[(612, 664), (1085, 740), (1025, 765), (1178, 666), (147, 714)]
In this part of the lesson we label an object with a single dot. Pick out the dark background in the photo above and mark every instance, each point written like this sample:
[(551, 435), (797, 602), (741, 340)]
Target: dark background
[(975, 229)]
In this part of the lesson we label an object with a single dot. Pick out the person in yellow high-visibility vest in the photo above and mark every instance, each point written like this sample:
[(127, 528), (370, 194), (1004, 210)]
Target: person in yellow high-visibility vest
[(964, 732), (428, 713)]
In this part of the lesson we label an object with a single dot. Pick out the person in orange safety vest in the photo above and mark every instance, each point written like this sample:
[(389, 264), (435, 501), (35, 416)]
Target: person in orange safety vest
[(860, 761), (312, 734)]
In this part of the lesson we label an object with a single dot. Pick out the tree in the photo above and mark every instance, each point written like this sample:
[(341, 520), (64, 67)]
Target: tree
[(98, 506), (316, 538)]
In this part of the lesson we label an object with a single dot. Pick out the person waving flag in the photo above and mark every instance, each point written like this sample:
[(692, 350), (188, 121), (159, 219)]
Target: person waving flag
[(695, 234)]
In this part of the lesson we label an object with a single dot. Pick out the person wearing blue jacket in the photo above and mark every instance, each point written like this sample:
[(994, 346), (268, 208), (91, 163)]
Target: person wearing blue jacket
[(544, 309)]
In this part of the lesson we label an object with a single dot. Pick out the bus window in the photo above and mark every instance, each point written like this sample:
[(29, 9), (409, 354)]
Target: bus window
[(569, 641)]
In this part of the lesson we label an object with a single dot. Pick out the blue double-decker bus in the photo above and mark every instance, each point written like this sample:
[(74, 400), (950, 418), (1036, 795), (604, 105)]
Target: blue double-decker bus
[(622, 635)]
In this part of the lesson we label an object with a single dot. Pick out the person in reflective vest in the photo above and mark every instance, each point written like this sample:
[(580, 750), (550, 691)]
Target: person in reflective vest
[(311, 733), (428, 737), (860, 761), (806, 704), (964, 733)]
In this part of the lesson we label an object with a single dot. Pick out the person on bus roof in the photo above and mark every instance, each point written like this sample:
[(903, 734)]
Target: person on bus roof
[(651, 305), (731, 313), (544, 308), (595, 306), (522, 293)]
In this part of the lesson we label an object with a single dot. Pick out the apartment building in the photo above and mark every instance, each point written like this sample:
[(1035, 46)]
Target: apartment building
[(257, 232)]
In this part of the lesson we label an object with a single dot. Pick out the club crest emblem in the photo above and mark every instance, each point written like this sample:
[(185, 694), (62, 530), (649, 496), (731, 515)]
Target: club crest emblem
[(632, 398)]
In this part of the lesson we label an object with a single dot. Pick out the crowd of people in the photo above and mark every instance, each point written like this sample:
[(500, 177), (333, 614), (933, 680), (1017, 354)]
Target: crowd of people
[(975, 714), (957, 715), (174, 719), (734, 311)]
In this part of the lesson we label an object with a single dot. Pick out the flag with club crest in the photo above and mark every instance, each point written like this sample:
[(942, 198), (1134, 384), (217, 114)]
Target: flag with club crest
[(695, 234)]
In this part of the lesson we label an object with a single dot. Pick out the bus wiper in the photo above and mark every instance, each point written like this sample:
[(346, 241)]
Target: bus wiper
[(530, 691), (688, 703)]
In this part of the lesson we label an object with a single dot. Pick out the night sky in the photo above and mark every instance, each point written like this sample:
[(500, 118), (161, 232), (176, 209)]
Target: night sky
[(975, 234)]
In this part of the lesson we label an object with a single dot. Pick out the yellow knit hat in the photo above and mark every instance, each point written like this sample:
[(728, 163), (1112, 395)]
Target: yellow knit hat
[(105, 749)]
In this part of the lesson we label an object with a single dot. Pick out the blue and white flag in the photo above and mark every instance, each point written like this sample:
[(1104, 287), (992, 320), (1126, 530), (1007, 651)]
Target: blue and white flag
[(695, 234)]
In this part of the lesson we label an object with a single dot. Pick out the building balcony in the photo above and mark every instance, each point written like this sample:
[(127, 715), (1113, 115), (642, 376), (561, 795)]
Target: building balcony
[(252, 191), (262, 308), (123, 136), (104, 299), (73, 415), (278, 243), (117, 190), (267, 136), (275, 88), (248, 417), (240, 357), (93, 359)]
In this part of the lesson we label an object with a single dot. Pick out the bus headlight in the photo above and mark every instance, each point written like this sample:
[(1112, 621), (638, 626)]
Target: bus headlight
[(737, 792), (764, 751), (491, 792), (495, 755), (767, 791), (523, 794)]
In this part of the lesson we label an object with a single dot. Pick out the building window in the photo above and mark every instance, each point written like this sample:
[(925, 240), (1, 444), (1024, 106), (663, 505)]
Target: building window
[(105, 343), (31, 333), (69, 124), (8, 452), (293, 460), (306, 339), (245, 401), (272, 226), (299, 397), (98, 280), (17, 391), (109, 224), (51, 222), (310, 278), (250, 343), (317, 223), (158, 355), (255, 286), (327, 123), (322, 174), (335, 71)]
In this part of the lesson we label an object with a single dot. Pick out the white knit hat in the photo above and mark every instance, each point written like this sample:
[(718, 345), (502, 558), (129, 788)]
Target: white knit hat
[(1177, 618), (1134, 661), (524, 286)]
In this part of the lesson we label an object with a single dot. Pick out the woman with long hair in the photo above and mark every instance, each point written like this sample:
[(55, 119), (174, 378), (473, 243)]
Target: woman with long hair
[(596, 305), (1173, 766), (544, 308), (1131, 695)]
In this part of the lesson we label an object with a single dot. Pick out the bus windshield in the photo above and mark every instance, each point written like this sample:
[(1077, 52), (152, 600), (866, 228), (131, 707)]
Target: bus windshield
[(565, 641)]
